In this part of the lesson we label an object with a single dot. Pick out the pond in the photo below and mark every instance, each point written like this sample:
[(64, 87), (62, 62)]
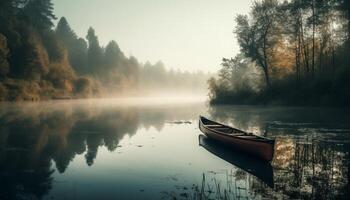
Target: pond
[(148, 148)]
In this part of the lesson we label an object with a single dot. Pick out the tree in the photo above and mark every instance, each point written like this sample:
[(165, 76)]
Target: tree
[(113, 56), (78, 56), (4, 54), (40, 14), (65, 33), (256, 36), (94, 53), (8, 8), (344, 6), (76, 47)]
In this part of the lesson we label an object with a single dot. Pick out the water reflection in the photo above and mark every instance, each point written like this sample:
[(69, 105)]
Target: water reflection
[(35, 136), (39, 143), (261, 170), (311, 152)]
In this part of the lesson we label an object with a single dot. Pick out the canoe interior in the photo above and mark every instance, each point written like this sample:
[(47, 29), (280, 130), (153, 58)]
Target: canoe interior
[(230, 131)]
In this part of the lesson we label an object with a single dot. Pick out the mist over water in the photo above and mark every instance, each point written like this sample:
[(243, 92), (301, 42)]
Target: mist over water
[(101, 99), (149, 148)]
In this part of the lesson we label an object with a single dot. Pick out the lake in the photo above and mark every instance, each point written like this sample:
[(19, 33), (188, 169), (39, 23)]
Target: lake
[(150, 148)]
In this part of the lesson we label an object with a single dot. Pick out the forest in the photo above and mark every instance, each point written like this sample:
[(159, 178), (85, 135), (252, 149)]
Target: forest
[(293, 52), (40, 60)]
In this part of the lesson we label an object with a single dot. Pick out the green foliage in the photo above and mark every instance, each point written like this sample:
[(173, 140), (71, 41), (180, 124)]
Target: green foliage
[(3, 92), (39, 63), (302, 49), (257, 36), (54, 48), (65, 33), (86, 87), (113, 56), (76, 47), (39, 13), (94, 53), (4, 54)]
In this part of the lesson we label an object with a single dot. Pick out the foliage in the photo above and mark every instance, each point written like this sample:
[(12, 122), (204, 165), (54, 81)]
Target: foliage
[(38, 61), (300, 47), (4, 54)]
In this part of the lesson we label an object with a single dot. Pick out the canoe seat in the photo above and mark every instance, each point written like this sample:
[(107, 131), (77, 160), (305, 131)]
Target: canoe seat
[(214, 125), (248, 136), (222, 128)]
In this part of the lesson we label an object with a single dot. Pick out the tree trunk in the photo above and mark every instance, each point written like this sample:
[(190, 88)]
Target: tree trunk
[(297, 61), (305, 47), (320, 57), (333, 59), (267, 77), (347, 5), (266, 64), (313, 38), (297, 57)]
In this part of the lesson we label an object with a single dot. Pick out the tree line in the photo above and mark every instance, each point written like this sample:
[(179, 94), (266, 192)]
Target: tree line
[(291, 52), (39, 60)]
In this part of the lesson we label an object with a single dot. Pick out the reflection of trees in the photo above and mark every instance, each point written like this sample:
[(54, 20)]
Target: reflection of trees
[(279, 120), (303, 170), (317, 170), (23, 172), (311, 160), (33, 135)]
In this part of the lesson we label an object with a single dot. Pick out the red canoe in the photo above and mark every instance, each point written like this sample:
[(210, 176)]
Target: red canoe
[(259, 146)]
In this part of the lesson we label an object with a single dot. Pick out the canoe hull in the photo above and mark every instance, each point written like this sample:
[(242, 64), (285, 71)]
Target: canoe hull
[(256, 167), (261, 149)]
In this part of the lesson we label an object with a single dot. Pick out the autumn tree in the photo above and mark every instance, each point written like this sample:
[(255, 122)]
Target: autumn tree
[(256, 35)]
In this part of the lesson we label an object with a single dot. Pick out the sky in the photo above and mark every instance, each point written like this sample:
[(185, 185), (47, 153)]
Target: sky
[(184, 34)]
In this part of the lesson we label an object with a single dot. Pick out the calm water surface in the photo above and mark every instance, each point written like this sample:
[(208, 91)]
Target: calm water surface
[(152, 149)]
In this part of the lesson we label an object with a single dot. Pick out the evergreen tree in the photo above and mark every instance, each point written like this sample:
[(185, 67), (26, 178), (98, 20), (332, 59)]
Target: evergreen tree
[(8, 8), (113, 56), (94, 53), (65, 33), (77, 48), (78, 56), (40, 14)]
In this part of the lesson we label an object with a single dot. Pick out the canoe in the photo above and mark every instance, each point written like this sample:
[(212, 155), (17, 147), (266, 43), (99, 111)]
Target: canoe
[(258, 146), (260, 169)]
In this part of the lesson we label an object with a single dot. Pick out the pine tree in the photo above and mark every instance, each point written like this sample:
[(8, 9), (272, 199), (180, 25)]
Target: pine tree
[(94, 53), (77, 48), (113, 56), (8, 8), (65, 33), (78, 56), (40, 14)]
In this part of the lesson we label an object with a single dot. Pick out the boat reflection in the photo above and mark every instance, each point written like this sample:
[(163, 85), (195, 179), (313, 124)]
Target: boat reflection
[(257, 168)]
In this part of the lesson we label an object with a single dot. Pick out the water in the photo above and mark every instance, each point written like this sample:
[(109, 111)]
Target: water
[(151, 149)]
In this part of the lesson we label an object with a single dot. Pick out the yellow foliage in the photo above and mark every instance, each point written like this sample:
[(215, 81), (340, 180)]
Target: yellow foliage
[(282, 60)]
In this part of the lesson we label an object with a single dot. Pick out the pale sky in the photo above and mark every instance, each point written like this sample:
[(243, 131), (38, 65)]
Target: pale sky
[(184, 34)]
